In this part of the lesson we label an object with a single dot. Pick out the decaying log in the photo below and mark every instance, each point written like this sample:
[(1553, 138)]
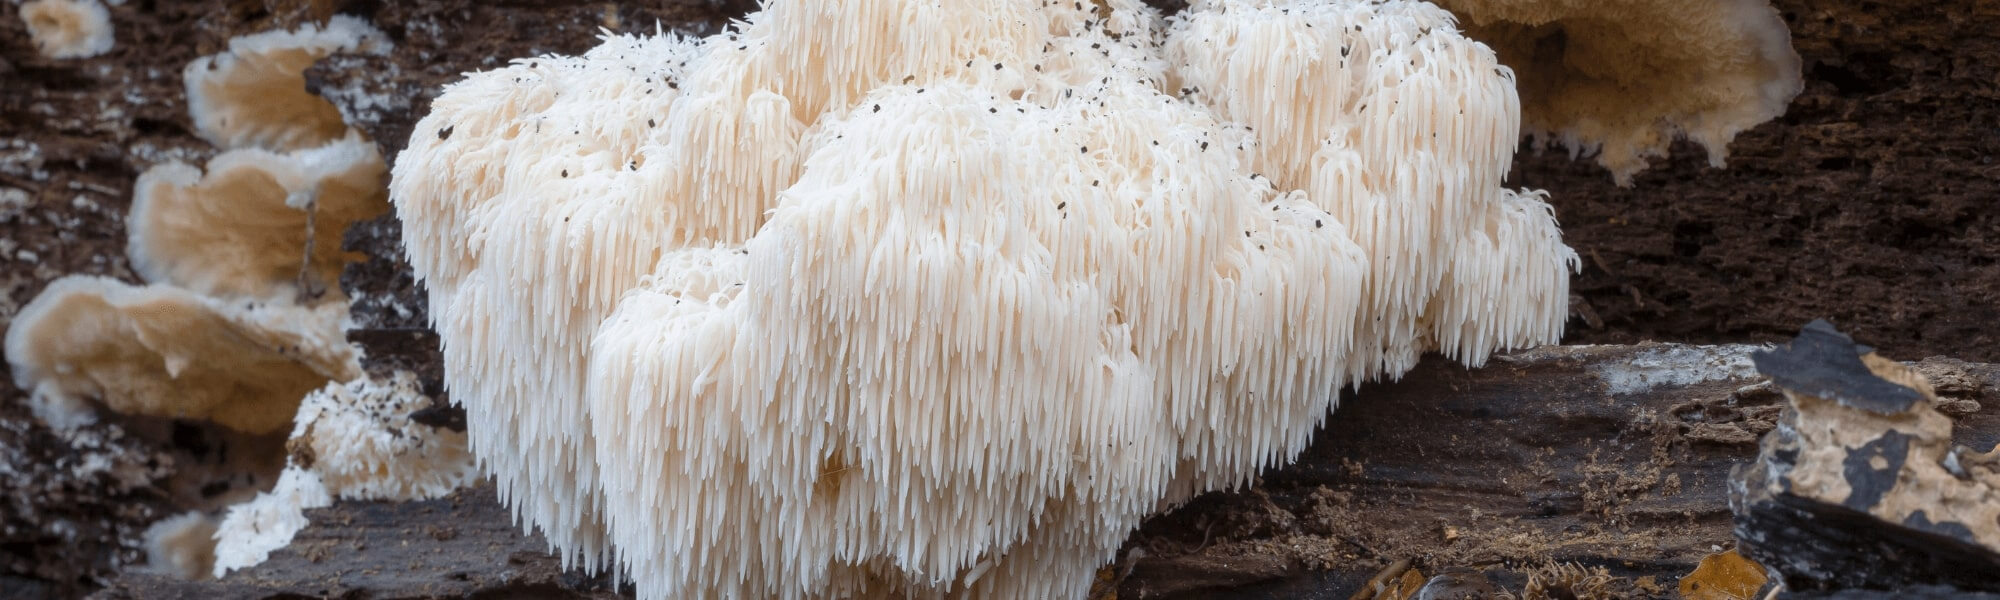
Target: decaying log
[(462, 545), (1612, 456)]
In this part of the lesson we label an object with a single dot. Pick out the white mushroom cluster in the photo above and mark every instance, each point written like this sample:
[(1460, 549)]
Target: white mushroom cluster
[(359, 437), (241, 321), (915, 298), (241, 313)]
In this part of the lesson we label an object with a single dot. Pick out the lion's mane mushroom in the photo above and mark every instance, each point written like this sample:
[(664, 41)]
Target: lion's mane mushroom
[(1622, 79), (910, 298), (68, 28), (254, 94), (1403, 130)]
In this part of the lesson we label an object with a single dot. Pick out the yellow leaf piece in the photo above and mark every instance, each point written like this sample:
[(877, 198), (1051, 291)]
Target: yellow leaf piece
[(1413, 580), (1397, 581), (1723, 576)]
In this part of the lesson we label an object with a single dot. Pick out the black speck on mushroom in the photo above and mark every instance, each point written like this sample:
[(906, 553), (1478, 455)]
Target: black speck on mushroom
[(445, 133), (878, 108)]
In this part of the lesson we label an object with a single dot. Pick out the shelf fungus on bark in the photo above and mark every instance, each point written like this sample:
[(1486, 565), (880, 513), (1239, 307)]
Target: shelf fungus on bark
[(1861, 485)]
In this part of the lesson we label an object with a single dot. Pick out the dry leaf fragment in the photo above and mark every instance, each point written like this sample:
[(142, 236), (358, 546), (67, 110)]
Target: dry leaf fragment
[(1723, 576)]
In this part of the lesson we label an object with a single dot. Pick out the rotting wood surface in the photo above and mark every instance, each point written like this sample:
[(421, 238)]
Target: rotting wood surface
[(1611, 456)]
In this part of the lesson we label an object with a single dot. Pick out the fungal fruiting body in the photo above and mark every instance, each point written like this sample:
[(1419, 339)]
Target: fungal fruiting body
[(182, 545), (241, 313), (941, 299), (240, 319), (352, 441), (259, 223), (1403, 131), (359, 438), (249, 531), (254, 95), (1622, 79), (162, 351), (226, 331), (68, 28)]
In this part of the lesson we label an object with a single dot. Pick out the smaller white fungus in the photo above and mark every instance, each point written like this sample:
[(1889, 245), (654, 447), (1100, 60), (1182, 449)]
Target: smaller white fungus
[(359, 438), (68, 28), (251, 530), (353, 441), (181, 545)]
